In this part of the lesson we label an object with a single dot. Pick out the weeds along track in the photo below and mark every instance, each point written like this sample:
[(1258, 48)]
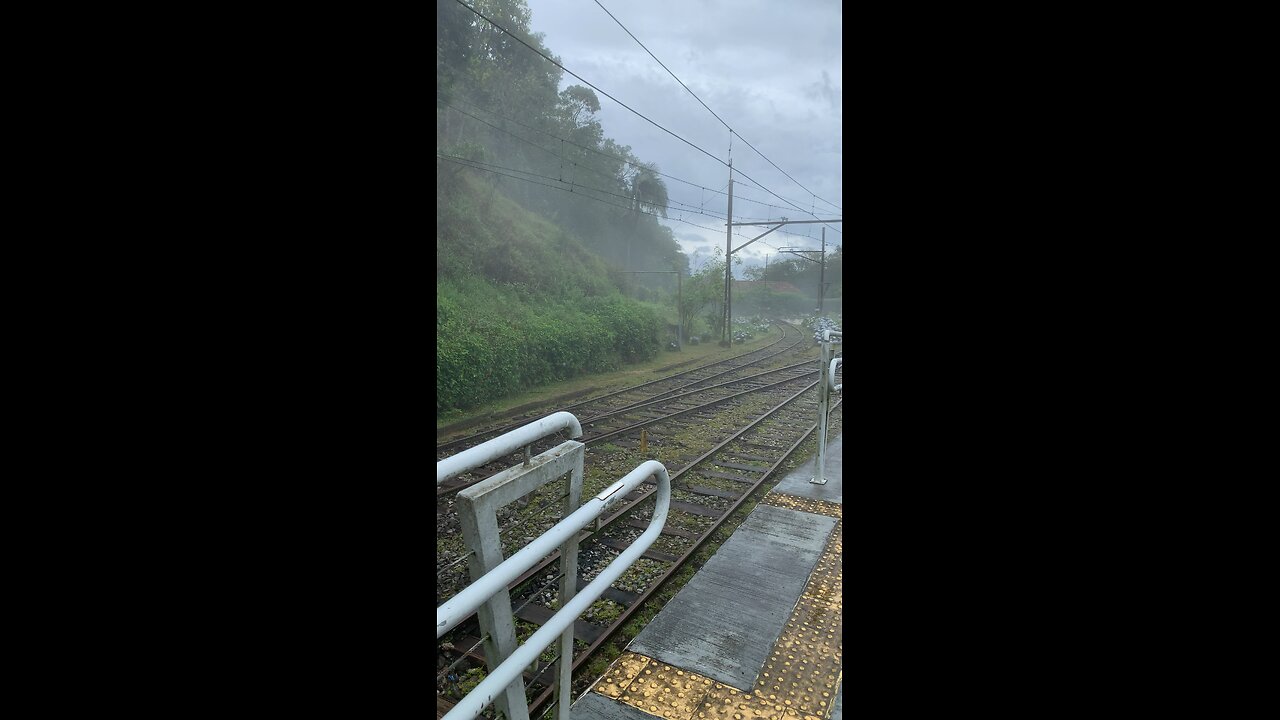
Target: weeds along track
[(719, 457), (624, 413)]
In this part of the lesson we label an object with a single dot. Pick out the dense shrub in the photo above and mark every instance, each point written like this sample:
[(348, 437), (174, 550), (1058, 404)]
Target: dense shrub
[(520, 302), (635, 327), (489, 343)]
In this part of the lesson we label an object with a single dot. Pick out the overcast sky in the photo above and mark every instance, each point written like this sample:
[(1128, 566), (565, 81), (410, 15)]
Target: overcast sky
[(771, 69)]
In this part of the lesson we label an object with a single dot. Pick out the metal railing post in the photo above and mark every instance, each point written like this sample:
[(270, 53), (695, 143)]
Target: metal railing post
[(826, 383), (480, 532), (568, 588), (477, 509), (495, 581), (817, 478)]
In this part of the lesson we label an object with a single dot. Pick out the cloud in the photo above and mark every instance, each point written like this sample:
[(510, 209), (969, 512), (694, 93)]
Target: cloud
[(772, 71), (825, 91)]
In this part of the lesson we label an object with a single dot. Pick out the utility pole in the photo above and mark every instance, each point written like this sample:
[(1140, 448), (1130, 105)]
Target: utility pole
[(822, 273), (793, 250), (726, 335)]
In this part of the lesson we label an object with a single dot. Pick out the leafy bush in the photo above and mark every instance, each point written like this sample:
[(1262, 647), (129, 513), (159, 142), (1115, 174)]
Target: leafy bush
[(492, 342), (635, 327)]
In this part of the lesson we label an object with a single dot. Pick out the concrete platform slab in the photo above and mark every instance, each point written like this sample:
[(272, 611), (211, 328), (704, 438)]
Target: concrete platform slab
[(593, 706), (723, 624), (797, 481)]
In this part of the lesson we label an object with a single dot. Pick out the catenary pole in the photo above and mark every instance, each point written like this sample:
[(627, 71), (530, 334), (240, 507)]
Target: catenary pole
[(822, 272), (725, 335)]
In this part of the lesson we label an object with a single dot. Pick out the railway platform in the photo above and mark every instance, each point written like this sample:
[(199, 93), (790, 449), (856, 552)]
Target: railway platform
[(756, 633)]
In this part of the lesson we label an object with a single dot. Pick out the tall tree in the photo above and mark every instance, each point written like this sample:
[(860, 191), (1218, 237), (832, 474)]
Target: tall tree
[(648, 192)]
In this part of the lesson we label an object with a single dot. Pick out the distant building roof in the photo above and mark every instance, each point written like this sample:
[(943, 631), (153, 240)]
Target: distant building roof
[(774, 285)]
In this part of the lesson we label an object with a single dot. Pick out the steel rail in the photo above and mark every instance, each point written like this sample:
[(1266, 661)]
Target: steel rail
[(586, 540), (642, 424), (653, 401), (608, 522), (784, 326), (634, 505), (704, 406)]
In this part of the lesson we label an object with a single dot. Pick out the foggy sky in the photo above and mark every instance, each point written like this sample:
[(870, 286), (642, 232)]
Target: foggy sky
[(770, 69)]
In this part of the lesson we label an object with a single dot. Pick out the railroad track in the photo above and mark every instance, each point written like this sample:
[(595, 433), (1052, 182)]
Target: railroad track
[(790, 338), (707, 489), (631, 409)]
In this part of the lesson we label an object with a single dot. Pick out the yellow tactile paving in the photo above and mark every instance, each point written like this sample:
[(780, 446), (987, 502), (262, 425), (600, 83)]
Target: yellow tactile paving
[(620, 674), (817, 507), (667, 691), (799, 680)]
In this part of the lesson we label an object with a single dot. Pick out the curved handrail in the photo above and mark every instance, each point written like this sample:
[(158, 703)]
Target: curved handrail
[(461, 605), (831, 374), (506, 444)]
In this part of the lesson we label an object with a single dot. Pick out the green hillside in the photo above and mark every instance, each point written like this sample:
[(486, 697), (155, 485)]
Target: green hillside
[(520, 302), (538, 216)]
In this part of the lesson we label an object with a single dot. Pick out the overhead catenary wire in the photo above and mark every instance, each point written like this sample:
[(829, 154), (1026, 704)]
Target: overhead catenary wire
[(446, 156), (686, 207), (664, 67), (476, 165), (543, 55), (520, 40), (468, 163), (721, 191), (575, 163), (732, 132), (784, 172)]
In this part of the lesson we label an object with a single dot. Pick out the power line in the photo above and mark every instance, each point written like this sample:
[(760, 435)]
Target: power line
[(593, 87), (549, 152), (598, 152), (784, 172), (721, 191), (485, 166), (584, 147), (628, 107), (471, 164), (578, 185), (793, 205), (481, 165), (739, 196), (713, 112), (664, 67)]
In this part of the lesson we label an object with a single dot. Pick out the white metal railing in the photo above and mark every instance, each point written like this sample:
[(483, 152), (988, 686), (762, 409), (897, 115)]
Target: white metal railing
[(826, 385), (464, 603), (506, 444)]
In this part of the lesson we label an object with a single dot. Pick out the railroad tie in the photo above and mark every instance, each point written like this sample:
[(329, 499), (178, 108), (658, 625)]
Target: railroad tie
[(622, 597), (727, 476), (539, 615), (714, 492), (666, 530), (745, 456), (694, 509), (740, 466), (650, 553)]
